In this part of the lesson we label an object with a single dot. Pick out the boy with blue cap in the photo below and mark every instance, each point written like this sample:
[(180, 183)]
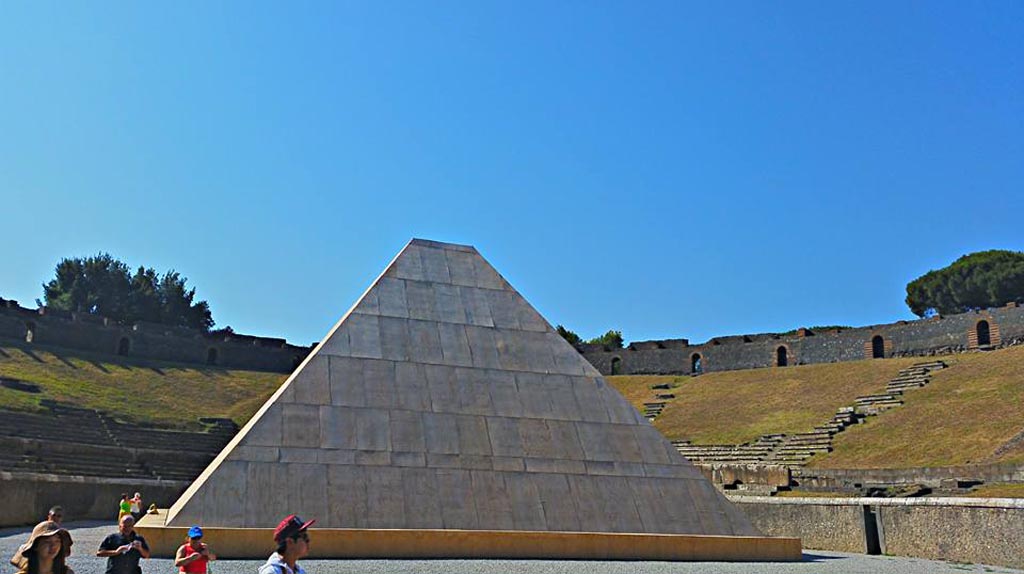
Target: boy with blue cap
[(193, 556)]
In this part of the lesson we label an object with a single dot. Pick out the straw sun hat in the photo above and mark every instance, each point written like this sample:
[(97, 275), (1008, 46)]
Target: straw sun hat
[(43, 529)]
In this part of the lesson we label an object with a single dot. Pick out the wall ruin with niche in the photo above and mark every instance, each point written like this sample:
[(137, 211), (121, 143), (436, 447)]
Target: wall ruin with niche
[(84, 332), (924, 337)]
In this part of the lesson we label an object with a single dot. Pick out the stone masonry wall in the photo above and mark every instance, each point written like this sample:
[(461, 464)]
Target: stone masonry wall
[(968, 530), (924, 337), (28, 496), (145, 340)]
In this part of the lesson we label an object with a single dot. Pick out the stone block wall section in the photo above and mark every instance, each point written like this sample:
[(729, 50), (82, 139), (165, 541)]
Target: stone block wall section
[(969, 530), (84, 332), (27, 496), (986, 329)]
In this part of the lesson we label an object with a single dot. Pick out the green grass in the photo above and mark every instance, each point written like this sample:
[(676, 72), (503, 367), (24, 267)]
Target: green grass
[(998, 490), (133, 390), (961, 417), (733, 407)]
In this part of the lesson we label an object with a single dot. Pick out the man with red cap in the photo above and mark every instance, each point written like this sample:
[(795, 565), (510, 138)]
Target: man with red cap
[(292, 543)]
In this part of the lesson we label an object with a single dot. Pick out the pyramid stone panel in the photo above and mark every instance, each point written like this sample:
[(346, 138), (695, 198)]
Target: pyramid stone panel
[(443, 400)]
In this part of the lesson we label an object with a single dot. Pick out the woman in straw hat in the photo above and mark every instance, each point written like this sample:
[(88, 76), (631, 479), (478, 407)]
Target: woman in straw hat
[(45, 552)]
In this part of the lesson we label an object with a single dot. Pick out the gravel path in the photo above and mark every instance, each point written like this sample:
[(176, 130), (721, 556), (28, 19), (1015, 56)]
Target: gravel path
[(87, 536)]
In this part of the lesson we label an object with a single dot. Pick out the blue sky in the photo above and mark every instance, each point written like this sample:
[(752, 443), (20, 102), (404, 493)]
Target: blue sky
[(668, 169)]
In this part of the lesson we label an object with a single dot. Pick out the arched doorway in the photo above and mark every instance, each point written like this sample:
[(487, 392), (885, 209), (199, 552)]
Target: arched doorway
[(123, 346), (878, 347), (616, 365), (211, 356), (30, 332), (696, 364), (984, 333), (781, 356)]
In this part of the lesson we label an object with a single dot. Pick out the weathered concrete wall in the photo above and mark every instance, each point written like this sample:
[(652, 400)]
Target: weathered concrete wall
[(27, 497), (759, 474), (819, 526), (81, 331), (960, 534), (924, 337), (977, 530)]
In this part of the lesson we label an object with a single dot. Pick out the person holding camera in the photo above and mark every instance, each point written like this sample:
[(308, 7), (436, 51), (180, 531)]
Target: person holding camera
[(124, 548), (193, 556)]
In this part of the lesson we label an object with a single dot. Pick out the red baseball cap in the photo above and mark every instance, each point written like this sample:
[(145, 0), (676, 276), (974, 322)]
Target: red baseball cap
[(290, 526)]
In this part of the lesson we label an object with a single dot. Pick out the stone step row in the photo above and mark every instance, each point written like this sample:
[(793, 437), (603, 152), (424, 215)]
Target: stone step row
[(868, 399), (932, 365), (735, 451), (911, 376)]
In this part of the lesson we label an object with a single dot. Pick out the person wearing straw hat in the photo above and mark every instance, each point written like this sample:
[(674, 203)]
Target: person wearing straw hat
[(45, 552), (193, 556)]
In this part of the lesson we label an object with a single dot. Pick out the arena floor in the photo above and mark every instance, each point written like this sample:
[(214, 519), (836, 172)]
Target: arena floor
[(87, 536)]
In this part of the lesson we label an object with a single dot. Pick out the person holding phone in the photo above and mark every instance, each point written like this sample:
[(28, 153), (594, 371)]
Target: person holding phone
[(194, 556), (124, 548)]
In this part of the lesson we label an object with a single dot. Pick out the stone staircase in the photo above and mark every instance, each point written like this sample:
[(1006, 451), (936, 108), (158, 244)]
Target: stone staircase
[(912, 377), (749, 453), (662, 396), (794, 450)]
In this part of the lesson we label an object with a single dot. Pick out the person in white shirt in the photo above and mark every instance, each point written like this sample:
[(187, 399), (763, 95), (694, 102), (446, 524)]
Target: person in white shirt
[(292, 541)]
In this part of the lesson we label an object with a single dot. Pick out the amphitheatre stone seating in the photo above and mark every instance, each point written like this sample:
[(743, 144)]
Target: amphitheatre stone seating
[(51, 455), (794, 450), (136, 436), (69, 440), (87, 430)]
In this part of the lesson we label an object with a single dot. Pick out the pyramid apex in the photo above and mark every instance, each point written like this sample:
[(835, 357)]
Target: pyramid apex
[(442, 245)]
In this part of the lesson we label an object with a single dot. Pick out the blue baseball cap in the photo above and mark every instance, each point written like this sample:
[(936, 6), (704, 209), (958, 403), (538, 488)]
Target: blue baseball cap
[(195, 532)]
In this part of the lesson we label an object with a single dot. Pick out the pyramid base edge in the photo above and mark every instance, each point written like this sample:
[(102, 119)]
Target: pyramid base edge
[(401, 544)]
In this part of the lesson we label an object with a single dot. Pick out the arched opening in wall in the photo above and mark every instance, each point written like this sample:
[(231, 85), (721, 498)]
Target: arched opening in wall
[(211, 356), (781, 356), (123, 346), (984, 333), (877, 347), (30, 332), (696, 364), (616, 365)]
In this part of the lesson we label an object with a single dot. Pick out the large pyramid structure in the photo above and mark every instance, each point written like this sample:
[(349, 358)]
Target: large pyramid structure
[(443, 400)]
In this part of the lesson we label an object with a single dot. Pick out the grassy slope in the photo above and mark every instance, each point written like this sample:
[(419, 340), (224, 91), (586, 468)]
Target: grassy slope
[(1001, 490), (963, 416), (733, 407), (134, 390)]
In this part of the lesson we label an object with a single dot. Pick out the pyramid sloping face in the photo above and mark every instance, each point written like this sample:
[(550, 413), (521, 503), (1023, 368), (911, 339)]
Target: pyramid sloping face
[(444, 400)]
